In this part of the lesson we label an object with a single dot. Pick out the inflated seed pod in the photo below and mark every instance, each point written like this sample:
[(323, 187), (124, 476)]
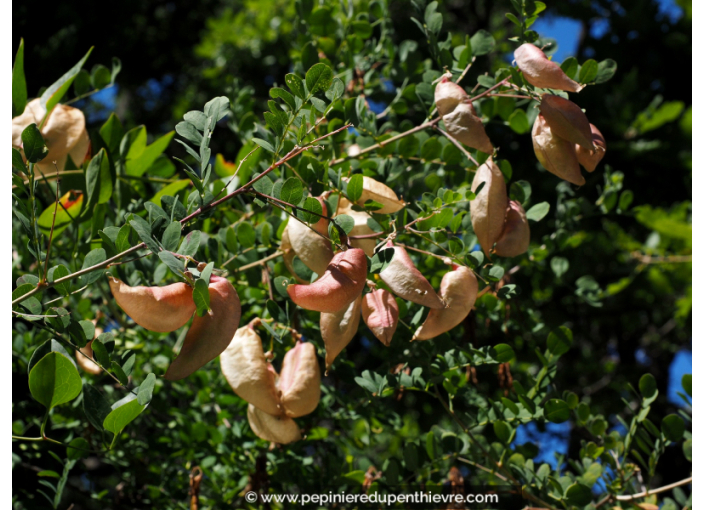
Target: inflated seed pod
[(314, 250), (209, 335), (341, 283), (361, 228), (464, 125), (380, 313), (488, 209), (381, 193), (590, 159), (556, 154), (86, 365), (299, 382), (277, 429), (542, 72), (448, 95), (515, 238), (160, 309), (459, 290), (404, 280), (339, 328), (567, 120), (248, 372)]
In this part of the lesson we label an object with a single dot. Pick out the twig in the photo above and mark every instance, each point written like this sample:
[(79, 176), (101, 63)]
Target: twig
[(646, 493), (53, 222), (260, 262), (457, 144)]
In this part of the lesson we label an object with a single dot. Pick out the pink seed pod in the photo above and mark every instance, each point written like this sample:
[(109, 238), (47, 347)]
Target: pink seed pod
[(567, 120), (380, 313), (464, 125), (458, 289), (590, 159), (313, 250), (515, 238), (277, 429), (211, 334), (542, 72), (557, 155), (342, 282), (404, 280), (299, 382), (160, 309), (488, 209), (338, 329), (248, 372), (448, 95)]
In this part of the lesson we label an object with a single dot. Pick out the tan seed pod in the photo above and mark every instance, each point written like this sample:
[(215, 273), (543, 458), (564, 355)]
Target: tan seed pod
[(299, 382), (86, 365), (338, 329), (248, 372), (464, 125), (380, 313), (515, 238), (557, 155), (448, 95), (542, 72), (361, 228), (381, 193), (160, 309), (590, 159), (64, 133), (313, 250), (404, 280), (211, 334), (341, 283), (277, 429), (459, 290), (566, 120), (488, 209)]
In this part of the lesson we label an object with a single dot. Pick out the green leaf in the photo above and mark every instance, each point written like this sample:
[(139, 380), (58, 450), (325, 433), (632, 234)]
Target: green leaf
[(95, 406), (560, 341), (33, 144), (502, 353), (116, 369), (141, 158), (345, 222), (295, 84), (54, 380), (578, 495), (607, 69), (557, 411), (246, 235), (81, 84), (171, 236), (123, 412), (648, 388), (381, 260), (190, 244), (311, 204), (518, 121), (47, 347), (588, 72), (174, 263), (570, 67), (100, 353), (318, 77), (482, 43), (18, 162), (75, 449), (144, 232), (355, 187), (277, 92), (144, 394), (100, 76), (93, 258), (687, 383), (122, 241), (503, 431), (57, 272), (672, 427), (538, 211), (53, 95), (276, 312), (189, 132), (19, 84), (98, 181), (292, 191), (201, 297)]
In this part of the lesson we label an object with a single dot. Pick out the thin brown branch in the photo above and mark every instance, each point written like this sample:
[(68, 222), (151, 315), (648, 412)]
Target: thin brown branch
[(457, 144)]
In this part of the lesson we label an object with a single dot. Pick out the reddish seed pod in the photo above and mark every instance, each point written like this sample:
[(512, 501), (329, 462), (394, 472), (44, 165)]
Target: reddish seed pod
[(342, 282), (314, 250), (566, 120), (542, 72), (515, 238), (380, 313), (448, 95), (557, 155), (299, 382), (488, 209), (590, 159)]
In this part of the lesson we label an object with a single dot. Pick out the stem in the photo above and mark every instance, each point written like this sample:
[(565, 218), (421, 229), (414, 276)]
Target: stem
[(489, 90), (655, 491), (33, 218), (260, 262), (53, 222), (457, 144)]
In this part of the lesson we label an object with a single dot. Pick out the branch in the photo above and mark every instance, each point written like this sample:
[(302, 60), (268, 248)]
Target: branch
[(664, 488)]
